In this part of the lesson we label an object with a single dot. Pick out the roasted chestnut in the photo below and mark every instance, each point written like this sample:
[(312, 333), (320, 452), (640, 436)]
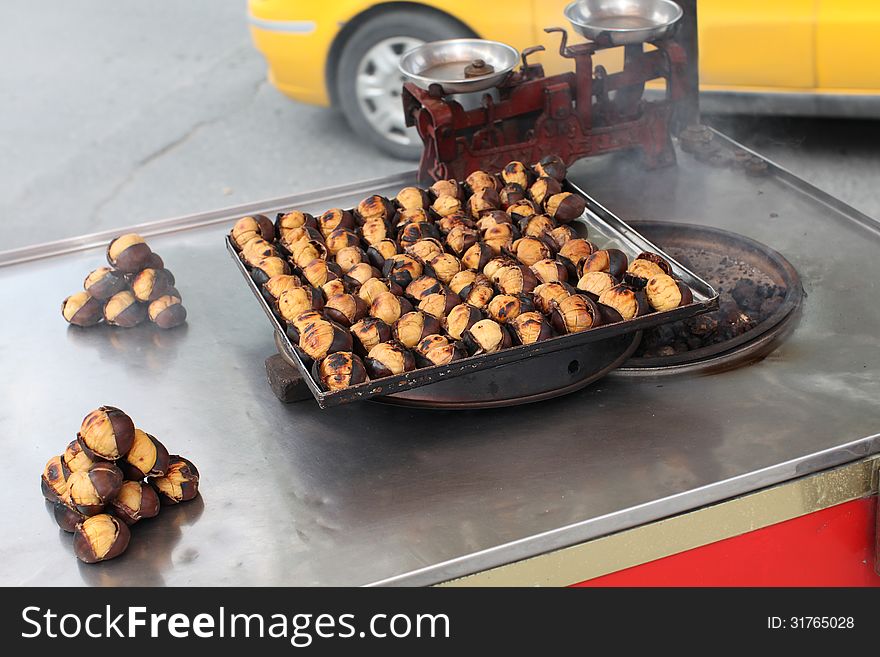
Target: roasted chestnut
[(483, 201), (594, 283), (529, 250), (103, 283), (495, 265), (422, 287), (180, 483), (412, 198), (81, 309), (612, 261), (90, 490), (565, 207), (511, 194), (334, 287), (274, 287), (449, 222), (74, 458), (296, 301), (546, 293), (499, 237), (286, 221), (506, 307), (360, 274), (291, 237), (425, 249), (373, 287), (461, 238), (667, 293), (477, 256), (302, 321), (550, 271), (53, 481), (350, 256), (551, 166), (318, 272), (415, 231), (477, 292), (522, 210), (561, 235), (370, 331), (324, 337), (375, 230), (135, 501), (100, 538), (460, 319), (402, 269), (375, 207), (167, 312), (345, 309), (429, 342), (516, 172), (479, 180), (442, 354), (543, 188), (447, 188), (389, 358), (339, 239), (128, 253), (575, 313), (625, 300), (413, 326), (485, 337), (340, 370), (379, 252), (443, 266), (416, 216), (539, 225), (249, 228), (440, 303), (516, 279), (389, 307), (146, 458), (106, 433), (574, 252), (662, 266), (530, 328), (446, 205), (493, 218), (261, 272), (66, 516), (335, 219), (256, 250)]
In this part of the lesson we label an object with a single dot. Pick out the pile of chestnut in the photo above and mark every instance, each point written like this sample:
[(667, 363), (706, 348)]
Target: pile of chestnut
[(135, 286), (435, 275), (110, 477)]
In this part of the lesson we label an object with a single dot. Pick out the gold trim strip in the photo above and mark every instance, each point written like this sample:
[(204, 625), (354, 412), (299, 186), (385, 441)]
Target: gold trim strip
[(659, 539)]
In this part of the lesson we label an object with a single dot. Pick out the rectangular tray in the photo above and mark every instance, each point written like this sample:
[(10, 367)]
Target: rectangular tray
[(599, 225)]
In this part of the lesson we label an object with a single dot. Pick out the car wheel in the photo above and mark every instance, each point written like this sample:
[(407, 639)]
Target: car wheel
[(369, 82)]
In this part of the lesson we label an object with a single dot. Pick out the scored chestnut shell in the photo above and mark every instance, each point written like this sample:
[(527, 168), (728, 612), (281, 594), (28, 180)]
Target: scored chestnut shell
[(375, 230), (478, 292), (461, 238), (530, 328), (123, 309), (550, 271), (349, 257), (447, 223), (499, 237), (440, 303), (412, 198), (574, 252), (339, 239), (150, 284), (180, 483), (424, 249), (324, 337), (167, 312), (379, 252), (100, 538), (103, 283), (374, 207), (516, 279), (318, 272), (612, 261), (251, 227), (66, 516), (485, 337), (422, 287), (146, 458), (415, 231), (477, 256), (262, 271), (295, 301), (561, 235), (493, 218), (483, 201), (81, 309), (340, 370), (389, 358), (446, 205), (373, 287), (412, 327), (511, 194), (369, 332), (575, 313), (479, 180), (460, 319), (128, 253), (360, 274), (441, 354), (543, 188), (444, 267), (666, 293), (495, 265), (256, 250), (302, 321), (275, 286), (540, 226), (529, 250), (74, 458), (106, 433), (429, 342), (565, 207), (389, 307), (506, 307), (53, 481), (625, 300), (546, 293), (402, 269), (346, 309), (518, 173), (551, 166), (447, 188), (91, 490), (287, 221), (135, 501), (522, 210), (335, 219), (594, 283)]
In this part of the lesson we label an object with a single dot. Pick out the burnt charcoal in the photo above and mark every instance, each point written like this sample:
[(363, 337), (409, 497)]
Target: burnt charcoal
[(704, 325), (744, 292), (769, 307)]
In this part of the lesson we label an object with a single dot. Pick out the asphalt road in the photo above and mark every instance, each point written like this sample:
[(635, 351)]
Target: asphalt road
[(117, 113)]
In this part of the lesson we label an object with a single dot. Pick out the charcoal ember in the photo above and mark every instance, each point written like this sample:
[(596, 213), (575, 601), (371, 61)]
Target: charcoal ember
[(745, 294), (694, 342), (703, 325), (769, 306)]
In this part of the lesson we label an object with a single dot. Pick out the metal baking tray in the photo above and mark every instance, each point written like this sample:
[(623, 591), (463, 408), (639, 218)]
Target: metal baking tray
[(597, 223)]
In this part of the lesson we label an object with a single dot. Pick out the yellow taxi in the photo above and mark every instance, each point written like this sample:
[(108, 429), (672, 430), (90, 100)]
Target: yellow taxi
[(770, 56)]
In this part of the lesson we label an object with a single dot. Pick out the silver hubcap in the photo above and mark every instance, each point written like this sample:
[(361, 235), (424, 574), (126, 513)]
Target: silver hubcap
[(378, 89)]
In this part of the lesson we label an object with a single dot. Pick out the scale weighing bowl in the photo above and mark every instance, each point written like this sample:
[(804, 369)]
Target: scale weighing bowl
[(443, 63), (622, 22)]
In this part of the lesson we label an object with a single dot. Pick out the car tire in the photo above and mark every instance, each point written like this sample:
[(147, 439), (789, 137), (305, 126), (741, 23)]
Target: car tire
[(368, 82)]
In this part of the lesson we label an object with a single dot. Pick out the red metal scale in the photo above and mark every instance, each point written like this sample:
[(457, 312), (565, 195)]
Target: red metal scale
[(574, 114)]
